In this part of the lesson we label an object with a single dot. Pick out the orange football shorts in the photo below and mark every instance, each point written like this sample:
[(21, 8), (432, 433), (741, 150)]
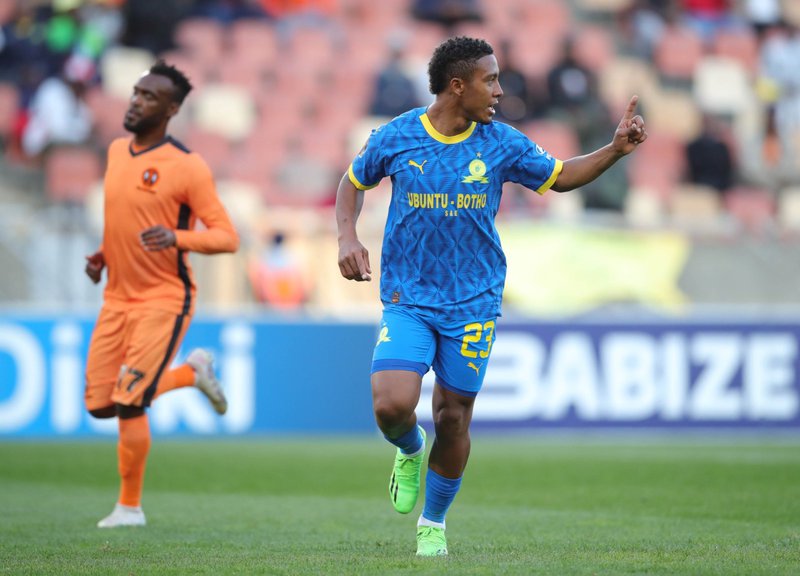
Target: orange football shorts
[(128, 353)]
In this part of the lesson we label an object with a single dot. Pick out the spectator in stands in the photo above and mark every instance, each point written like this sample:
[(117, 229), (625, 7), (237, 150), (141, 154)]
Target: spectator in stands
[(150, 24), (291, 15), (641, 26), (573, 99), (570, 84), (58, 113), (277, 276), (709, 159), (448, 13), (780, 82), (34, 46), (706, 17), (227, 11), (762, 14), (516, 105), (395, 91)]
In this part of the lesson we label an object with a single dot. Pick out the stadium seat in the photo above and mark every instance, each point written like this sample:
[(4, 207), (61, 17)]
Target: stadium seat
[(536, 17), (791, 12), (424, 40), (594, 47), (252, 43), (658, 165), (740, 45), (556, 137), (536, 54), (678, 52), (644, 207), (564, 207), (753, 209), (624, 76), (721, 86), (215, 149), (256, 159), (121, 67), (310, 49), (8, 12), (70, 173), (108, 113), (94, 204), (789, 210), (243, 203), (9, 108), (202, 38), (695, 207), (672, 112), (303, 180), (604, 6), (242, 74), (224, 279), (224, 109)]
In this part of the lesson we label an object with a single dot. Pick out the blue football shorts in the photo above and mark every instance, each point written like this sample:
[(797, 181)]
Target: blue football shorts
[(412, 339)]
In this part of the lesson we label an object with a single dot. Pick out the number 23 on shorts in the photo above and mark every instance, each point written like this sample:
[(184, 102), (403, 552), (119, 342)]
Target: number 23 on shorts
[(474, 334)]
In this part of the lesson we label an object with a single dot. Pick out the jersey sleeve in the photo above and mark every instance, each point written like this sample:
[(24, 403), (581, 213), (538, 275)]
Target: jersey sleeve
[(535, 168), (219, 234), (369, 166)]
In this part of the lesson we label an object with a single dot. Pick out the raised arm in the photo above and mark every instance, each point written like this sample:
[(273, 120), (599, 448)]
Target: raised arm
[(581, 170), (353, 256)]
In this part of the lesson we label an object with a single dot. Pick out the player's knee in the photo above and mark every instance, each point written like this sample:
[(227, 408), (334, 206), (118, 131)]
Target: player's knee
[(450, 422), (389, 414), (105, 412)]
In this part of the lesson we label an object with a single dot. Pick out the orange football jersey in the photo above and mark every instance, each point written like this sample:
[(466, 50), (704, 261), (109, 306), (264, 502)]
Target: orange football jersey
[(165, 184)]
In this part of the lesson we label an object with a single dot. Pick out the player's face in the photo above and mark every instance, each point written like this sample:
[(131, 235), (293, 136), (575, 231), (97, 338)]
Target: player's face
[(151, 104), (483, 91)]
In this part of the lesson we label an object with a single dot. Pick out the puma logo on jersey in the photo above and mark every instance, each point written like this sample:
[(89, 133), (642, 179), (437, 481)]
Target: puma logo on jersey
[(420, 166)]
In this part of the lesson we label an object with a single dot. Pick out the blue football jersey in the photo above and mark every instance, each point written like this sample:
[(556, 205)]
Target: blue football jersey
[(441, 250)]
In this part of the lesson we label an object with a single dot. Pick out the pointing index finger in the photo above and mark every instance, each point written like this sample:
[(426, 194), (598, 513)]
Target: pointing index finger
[(631, 108)]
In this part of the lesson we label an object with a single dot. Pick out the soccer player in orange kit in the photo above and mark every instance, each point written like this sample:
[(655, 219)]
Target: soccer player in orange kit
[(155, 190)]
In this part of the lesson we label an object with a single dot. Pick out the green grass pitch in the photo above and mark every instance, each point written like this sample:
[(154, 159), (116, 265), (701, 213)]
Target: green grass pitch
[(528, 505)]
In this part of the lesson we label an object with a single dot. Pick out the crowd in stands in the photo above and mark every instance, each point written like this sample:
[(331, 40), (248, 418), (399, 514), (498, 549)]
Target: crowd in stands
[(287, 90)]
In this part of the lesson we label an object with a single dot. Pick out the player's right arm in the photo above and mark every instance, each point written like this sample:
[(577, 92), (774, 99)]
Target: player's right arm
[(219, 235), (353, 256)]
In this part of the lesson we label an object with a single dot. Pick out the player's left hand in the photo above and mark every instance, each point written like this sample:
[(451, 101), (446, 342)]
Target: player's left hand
[(157, 238), (631, 131)]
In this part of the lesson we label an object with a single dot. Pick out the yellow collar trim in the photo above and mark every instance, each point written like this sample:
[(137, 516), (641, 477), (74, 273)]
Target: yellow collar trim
[(436, 135)]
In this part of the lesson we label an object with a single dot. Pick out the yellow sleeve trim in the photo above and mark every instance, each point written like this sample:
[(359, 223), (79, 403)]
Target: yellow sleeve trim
[(559, 165), (355, 181)]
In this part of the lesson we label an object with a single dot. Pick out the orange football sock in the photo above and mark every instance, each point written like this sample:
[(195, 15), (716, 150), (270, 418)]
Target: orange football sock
[(132, 449), (180, 377)]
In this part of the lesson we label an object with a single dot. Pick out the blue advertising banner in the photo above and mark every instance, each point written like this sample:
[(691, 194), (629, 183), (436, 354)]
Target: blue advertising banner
[(662, 375), (293, 377), (310, 377)]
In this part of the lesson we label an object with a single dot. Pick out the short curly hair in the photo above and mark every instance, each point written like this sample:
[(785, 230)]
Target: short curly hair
[(178, 78), (455, 58)]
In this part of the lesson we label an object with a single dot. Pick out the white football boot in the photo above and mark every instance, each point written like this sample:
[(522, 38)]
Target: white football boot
[(202, 362), (123, 516)]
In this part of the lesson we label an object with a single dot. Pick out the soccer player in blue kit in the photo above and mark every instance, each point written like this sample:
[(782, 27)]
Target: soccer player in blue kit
[(442, 266)]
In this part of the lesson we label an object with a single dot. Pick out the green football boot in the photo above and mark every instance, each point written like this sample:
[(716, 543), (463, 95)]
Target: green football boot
[(431, 541), (404, 483)]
